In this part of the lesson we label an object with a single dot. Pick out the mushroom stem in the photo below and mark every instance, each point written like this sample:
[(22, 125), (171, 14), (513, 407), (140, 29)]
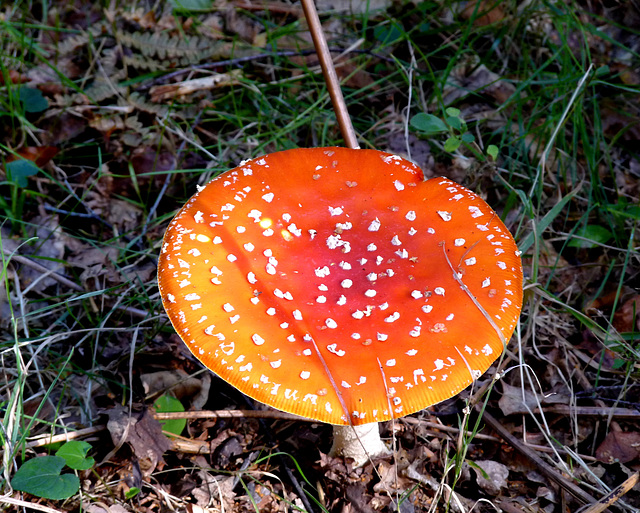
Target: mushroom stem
[(360, 443)]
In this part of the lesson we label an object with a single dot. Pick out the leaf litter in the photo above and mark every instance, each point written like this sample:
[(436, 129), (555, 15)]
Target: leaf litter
[(115, 124)]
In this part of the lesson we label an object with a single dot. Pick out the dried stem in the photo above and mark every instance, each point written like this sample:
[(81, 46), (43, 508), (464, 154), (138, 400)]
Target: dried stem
[(330, 76)]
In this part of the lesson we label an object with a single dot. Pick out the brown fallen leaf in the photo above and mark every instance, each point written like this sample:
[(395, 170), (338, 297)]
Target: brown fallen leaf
[(627, 317), (622, 446), (486, 12), (142, 432), (493, 477)]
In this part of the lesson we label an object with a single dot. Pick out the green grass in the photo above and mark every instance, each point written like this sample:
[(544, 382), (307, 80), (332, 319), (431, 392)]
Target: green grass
[(562, 110)]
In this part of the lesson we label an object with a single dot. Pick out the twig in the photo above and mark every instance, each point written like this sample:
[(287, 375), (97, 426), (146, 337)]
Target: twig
[(29, 505), (614, 495), (229, 414), (330, 76), (42, 269)]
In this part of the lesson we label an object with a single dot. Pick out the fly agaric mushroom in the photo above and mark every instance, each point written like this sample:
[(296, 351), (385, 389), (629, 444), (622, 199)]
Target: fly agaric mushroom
[(338, 285)]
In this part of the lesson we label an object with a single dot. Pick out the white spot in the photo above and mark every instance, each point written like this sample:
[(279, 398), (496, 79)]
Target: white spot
[(372, 247), (241, 229), (217, 240), (415, 332), (501, 265), (487, 350), (412, 231), (439, 291), (416, 294), (321, 299), (439, 364), (398, 185), (449, 317), (234, 319), (382, 336), (227, 307), (333, 348), (257, 339), (268, 197), (370, 293), (345, 265), (459, 242), (372, 276), (249, 247), (305, 374), (331, 324), (322, 272), (396, 241), (412, 352), (198, 218), (297, 315), (171, 298), (342, 300), (231, 258), (194, 252), (486, 282), (427, 308), (271, 311), (275, 364), (358, 314), (393, 317), (391, 363), (323, 287), (251, 278), (446, 216), (346, 283), (470, 261), (335, 211), (375, 225), (475, 211), (192, 297), (355, 336), (268, 232)]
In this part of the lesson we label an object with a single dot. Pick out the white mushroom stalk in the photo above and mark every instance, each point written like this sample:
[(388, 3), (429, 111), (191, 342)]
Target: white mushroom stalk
[(360, 443)]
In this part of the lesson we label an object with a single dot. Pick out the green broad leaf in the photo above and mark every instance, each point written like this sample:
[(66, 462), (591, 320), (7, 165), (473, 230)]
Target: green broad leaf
[(75, 453), (467, 137), (428, 124), (19, 170), (452, 144), (453, 112), (455, 122), (492, 151), (167, 403), (41, 477), (590, 236), (32, 99), (131, 492), (387, 33)]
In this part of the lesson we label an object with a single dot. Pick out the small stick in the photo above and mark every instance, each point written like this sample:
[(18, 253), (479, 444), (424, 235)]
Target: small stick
[(614, 495), (330, 76)]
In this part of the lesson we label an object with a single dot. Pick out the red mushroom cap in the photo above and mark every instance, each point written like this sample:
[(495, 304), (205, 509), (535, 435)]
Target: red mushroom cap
[(330, 280)]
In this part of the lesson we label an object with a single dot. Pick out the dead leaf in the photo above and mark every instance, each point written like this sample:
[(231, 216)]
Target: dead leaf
[(178, 383), (496, 476), (143, 433), (619, 446), (513, 401), (627, 317), (486, 12), (39, 155)]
